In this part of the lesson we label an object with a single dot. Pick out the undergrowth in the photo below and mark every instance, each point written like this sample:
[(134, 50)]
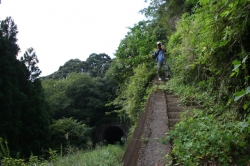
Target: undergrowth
[(211, 135), (110, 155), (134, 94), (209, 54)]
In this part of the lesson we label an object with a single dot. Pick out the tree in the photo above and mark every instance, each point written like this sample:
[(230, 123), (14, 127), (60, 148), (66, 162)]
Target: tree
[(166, 13), (70, 132), (36, 118), (80, 96), (73, 65), (24, 113), (133, 50), (30, 60), (98, 64), (12, 74), (56, 97)]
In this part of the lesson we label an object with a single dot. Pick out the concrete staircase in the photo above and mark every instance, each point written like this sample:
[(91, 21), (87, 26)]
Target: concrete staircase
[(174, 109), (145, 147), (162, 112)]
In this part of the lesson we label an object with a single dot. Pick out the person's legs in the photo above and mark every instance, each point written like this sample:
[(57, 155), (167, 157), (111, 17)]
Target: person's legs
[(159, 64), (166, 69)]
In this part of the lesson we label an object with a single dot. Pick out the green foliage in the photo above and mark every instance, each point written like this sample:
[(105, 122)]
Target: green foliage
[(209, 57), (80, 96), (36, 118), (133, 69), (55, 94), (68, 131), (133, 97), (166, 13), (25, 115), (30, 60), (214, 135), (96, 65), (33, 160), (11, 75), (52, 155), (204, 138), (145, 139), (134, 49), (110, 155), (241, 66), (136, 92), (11, 162), (206, 44), (4, 149), (73, 65)]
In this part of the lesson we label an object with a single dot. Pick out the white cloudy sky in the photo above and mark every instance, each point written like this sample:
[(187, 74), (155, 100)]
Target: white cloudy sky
[(60, 30)]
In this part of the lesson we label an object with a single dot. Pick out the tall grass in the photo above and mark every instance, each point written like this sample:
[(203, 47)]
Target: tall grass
[(110, 155)]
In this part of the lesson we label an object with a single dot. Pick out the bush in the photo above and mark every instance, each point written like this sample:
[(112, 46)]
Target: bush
[(202, 139), (68, 131)]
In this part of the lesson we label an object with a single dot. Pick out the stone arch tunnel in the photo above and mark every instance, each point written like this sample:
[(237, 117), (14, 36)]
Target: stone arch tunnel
[(111, 132)]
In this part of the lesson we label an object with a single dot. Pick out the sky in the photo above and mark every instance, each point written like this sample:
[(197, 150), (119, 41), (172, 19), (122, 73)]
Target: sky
[(60, 30)]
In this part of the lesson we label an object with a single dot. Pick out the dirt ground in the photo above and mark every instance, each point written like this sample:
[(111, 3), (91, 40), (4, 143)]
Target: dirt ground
[(148, 145)]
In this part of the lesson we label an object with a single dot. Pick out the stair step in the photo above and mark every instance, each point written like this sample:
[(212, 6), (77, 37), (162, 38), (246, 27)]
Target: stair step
[(190, 103), (172, 96), (193, 107), (173, 104), (174, 115), (172, 122), (172, 100), (175, 109), (171, 127)]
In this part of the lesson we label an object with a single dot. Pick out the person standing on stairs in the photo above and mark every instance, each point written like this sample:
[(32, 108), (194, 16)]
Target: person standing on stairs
[(159, 54)]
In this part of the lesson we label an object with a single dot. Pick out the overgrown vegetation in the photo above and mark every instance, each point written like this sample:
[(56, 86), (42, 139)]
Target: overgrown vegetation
[(68, 132), (58, 111), (209, 60), (25, 115), (110, 155), (208, 53), (209, 57)]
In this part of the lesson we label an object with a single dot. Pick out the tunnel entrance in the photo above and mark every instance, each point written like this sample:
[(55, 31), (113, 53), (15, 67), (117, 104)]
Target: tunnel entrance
[(113, 134)]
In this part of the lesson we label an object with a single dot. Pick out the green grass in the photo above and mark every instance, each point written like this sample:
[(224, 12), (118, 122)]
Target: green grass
[(110, 155)]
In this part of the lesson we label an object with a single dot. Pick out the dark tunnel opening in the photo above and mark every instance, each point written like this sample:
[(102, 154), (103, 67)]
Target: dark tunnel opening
[(113, 135)]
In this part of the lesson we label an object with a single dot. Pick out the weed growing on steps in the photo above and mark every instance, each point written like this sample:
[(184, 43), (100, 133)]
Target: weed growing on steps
[(145, 139), (162, 140)]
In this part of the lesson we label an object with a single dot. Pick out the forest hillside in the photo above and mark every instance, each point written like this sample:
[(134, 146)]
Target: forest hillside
[(207, 43), (208, 55)]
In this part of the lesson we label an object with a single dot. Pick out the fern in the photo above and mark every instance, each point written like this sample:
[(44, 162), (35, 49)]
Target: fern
[(4, 149)]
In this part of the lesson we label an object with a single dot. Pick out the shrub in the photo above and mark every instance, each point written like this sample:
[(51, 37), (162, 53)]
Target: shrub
[(68, 131), (202, 139)]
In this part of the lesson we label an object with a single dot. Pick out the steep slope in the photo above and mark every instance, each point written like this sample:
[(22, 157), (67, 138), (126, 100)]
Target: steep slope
[(148, 145)]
